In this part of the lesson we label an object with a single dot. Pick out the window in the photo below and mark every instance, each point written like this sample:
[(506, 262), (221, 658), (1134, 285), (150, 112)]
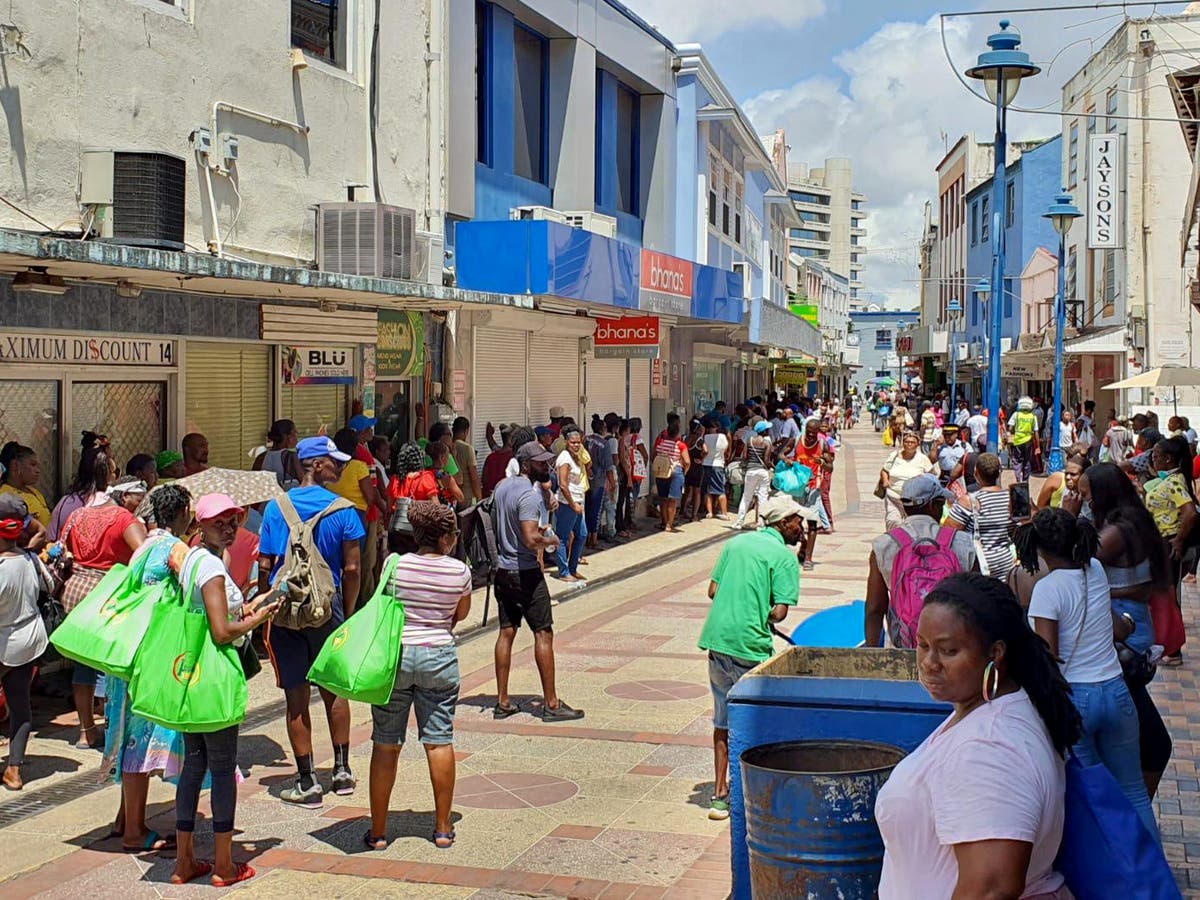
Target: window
[(805, 234), (974, 223), (712, 208), (319, 29), (806, 197), (807, 216), (856, 204), (483, 83), (737, 213), (1110, 109), (983, 219), (1091, 120), (854, 257), (854, 240), (529, 104), (726, 197), (1110, 280), (628, 109), (1073, 156), (1010, 203)]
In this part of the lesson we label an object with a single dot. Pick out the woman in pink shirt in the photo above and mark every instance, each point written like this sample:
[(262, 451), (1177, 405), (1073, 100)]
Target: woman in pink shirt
[(977, 809)]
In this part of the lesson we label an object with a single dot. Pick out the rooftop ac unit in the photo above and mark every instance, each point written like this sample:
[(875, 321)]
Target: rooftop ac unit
[(595, 222), (747, 279), (431, 258), (538, 213), (371, 239), (135, 197)]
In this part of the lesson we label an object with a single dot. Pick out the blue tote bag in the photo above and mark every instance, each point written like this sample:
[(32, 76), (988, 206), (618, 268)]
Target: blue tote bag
[(1106, 851)]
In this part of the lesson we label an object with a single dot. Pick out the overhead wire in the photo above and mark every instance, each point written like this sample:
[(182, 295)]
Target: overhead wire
[(30, 216)]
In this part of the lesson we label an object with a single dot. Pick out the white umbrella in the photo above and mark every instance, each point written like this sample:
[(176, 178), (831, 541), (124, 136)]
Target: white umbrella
[(1164, 376)]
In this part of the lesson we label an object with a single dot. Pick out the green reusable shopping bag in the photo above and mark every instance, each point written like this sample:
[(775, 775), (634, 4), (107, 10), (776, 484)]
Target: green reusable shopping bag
[(105, 630), (181, 678), (359, 660)]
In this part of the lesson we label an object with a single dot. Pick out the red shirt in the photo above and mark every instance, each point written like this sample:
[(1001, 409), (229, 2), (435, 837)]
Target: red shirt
[(95, 536), (421, 485), (493, 469)]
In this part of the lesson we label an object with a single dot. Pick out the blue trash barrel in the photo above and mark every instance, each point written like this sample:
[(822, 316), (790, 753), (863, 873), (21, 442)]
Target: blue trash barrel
[(810, 818)]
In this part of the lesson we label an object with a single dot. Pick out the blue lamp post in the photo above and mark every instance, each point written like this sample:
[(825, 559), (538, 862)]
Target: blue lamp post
[(953, 308), (982, 290), (1000, 69), (1062, 213)]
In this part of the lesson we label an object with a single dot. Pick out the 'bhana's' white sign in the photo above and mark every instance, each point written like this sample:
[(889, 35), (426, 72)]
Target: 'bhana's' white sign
[(1104, 204)]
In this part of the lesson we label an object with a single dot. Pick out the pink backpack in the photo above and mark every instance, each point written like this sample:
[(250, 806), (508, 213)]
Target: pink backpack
[(918, 568)]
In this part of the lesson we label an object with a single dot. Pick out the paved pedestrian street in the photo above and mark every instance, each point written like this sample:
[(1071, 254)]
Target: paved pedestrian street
[(613, 806)]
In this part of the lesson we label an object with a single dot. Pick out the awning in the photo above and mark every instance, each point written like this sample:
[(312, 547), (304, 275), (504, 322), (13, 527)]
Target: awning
[(774, 326), (1108, 340)]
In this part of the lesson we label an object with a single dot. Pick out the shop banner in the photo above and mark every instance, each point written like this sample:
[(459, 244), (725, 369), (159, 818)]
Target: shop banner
[(632, 338), (368, 380), (1103, 204), (316, 365), (665, 285), (790, 375), (809, 312), (400, 346), (96, 350)]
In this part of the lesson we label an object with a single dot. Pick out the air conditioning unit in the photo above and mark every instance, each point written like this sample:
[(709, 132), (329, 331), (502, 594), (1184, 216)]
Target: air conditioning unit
[(431, 257), (135, 197), (595, 222), (538, 213), (372, 239)]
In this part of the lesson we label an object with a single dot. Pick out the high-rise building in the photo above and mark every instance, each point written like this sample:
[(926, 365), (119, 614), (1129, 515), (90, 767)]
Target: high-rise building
[(833, 215)]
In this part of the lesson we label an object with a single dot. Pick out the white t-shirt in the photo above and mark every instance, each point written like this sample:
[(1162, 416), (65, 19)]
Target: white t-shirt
[(993, 776), (575, 482), (199, 568), (1085, 643), (717, 444), (978, 425)]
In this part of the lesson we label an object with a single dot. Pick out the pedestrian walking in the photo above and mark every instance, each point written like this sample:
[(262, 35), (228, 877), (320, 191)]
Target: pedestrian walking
[(435, 589), (1071, 609), (521, 591), (759, 462), (903, 464), (987, 517), (214, 754), (977, 809), (337, 531), (1023, 438), (755, 580), (899, 575)]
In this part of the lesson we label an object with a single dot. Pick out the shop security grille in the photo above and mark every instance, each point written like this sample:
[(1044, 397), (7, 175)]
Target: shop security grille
[(130, 413)]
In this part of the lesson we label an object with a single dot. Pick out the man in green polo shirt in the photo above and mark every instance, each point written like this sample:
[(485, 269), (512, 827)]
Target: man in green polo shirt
[(754, 582)]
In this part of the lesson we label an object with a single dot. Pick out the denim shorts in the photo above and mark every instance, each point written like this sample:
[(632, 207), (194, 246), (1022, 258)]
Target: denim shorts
[(724, 671), (426, 678), (671, 488)]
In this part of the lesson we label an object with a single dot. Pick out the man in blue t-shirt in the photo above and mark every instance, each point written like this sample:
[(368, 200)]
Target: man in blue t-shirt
[(293, 651)]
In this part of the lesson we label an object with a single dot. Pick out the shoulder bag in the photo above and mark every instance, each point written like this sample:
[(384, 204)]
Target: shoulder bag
[(881, 491), (981, 557)]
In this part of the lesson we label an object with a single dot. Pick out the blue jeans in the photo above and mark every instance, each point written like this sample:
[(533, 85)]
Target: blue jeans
[(1143, 635), (567, 522), (1110, 736), (593, 505)]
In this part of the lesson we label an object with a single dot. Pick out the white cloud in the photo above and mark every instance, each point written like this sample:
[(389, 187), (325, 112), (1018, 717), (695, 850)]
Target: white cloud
[(894, 112), (696, 20)]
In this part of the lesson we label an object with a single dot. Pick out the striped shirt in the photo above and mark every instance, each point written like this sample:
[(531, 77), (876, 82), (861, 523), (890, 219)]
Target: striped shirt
[(994, 519), (430, 588)]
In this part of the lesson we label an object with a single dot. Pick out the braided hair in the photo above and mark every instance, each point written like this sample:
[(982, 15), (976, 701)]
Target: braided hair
[(989, 608), (167, 503), (1059, 533), (431, 521), (409, 459)]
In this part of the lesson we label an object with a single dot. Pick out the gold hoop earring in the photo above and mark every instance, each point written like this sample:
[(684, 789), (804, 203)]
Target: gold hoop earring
[(990, 672)]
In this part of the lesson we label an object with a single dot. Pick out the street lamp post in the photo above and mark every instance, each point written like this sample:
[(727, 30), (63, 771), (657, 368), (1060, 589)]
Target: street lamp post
[(982, 291), (952, 309), (1062, 213), (1001, 69)]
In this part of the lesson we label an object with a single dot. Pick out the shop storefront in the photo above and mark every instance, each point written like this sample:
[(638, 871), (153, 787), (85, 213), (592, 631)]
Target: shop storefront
[(57, 385), (400, 374)]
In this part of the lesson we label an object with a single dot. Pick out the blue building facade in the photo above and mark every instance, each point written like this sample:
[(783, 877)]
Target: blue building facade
[(1032, 182), (876, 333)]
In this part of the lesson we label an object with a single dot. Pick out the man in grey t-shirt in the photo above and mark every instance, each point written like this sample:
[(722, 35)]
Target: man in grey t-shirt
[(521, 591)]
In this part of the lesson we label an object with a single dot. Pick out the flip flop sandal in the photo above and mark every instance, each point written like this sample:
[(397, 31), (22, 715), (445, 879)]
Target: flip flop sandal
[(202, 869), (503, 712), (148, 845), (447, 836), (244, 873), (375, 843)]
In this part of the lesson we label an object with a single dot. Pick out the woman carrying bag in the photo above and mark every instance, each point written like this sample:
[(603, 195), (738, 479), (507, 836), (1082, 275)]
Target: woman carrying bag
[(214, 592), (435, 589)]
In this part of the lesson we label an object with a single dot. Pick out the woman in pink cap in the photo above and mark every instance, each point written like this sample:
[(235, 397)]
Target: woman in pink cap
[(229, 618)]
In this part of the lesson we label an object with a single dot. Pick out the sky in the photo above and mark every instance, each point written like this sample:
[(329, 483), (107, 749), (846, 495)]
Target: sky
[(869, 80)]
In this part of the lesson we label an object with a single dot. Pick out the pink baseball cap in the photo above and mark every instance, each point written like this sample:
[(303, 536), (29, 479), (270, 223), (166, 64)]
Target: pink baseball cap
[(211, 506)]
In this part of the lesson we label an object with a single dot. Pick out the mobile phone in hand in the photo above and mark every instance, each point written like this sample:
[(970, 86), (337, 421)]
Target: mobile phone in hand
[(1019, 504)]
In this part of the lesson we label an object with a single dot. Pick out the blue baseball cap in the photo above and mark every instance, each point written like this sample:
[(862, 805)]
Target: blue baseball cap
[(542, 431), (361, 422), (316, 447), (762, 427)]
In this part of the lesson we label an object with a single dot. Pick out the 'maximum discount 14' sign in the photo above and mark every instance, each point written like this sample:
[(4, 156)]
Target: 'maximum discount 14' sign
[(665, 285), (1104, 205), (635, 337)]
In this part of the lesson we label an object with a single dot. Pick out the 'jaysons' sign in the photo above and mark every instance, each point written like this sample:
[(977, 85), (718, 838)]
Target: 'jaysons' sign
[(1104, 204)]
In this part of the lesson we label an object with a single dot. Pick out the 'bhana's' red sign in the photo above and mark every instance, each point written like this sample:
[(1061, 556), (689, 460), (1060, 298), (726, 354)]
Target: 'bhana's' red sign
[(637, 331)]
